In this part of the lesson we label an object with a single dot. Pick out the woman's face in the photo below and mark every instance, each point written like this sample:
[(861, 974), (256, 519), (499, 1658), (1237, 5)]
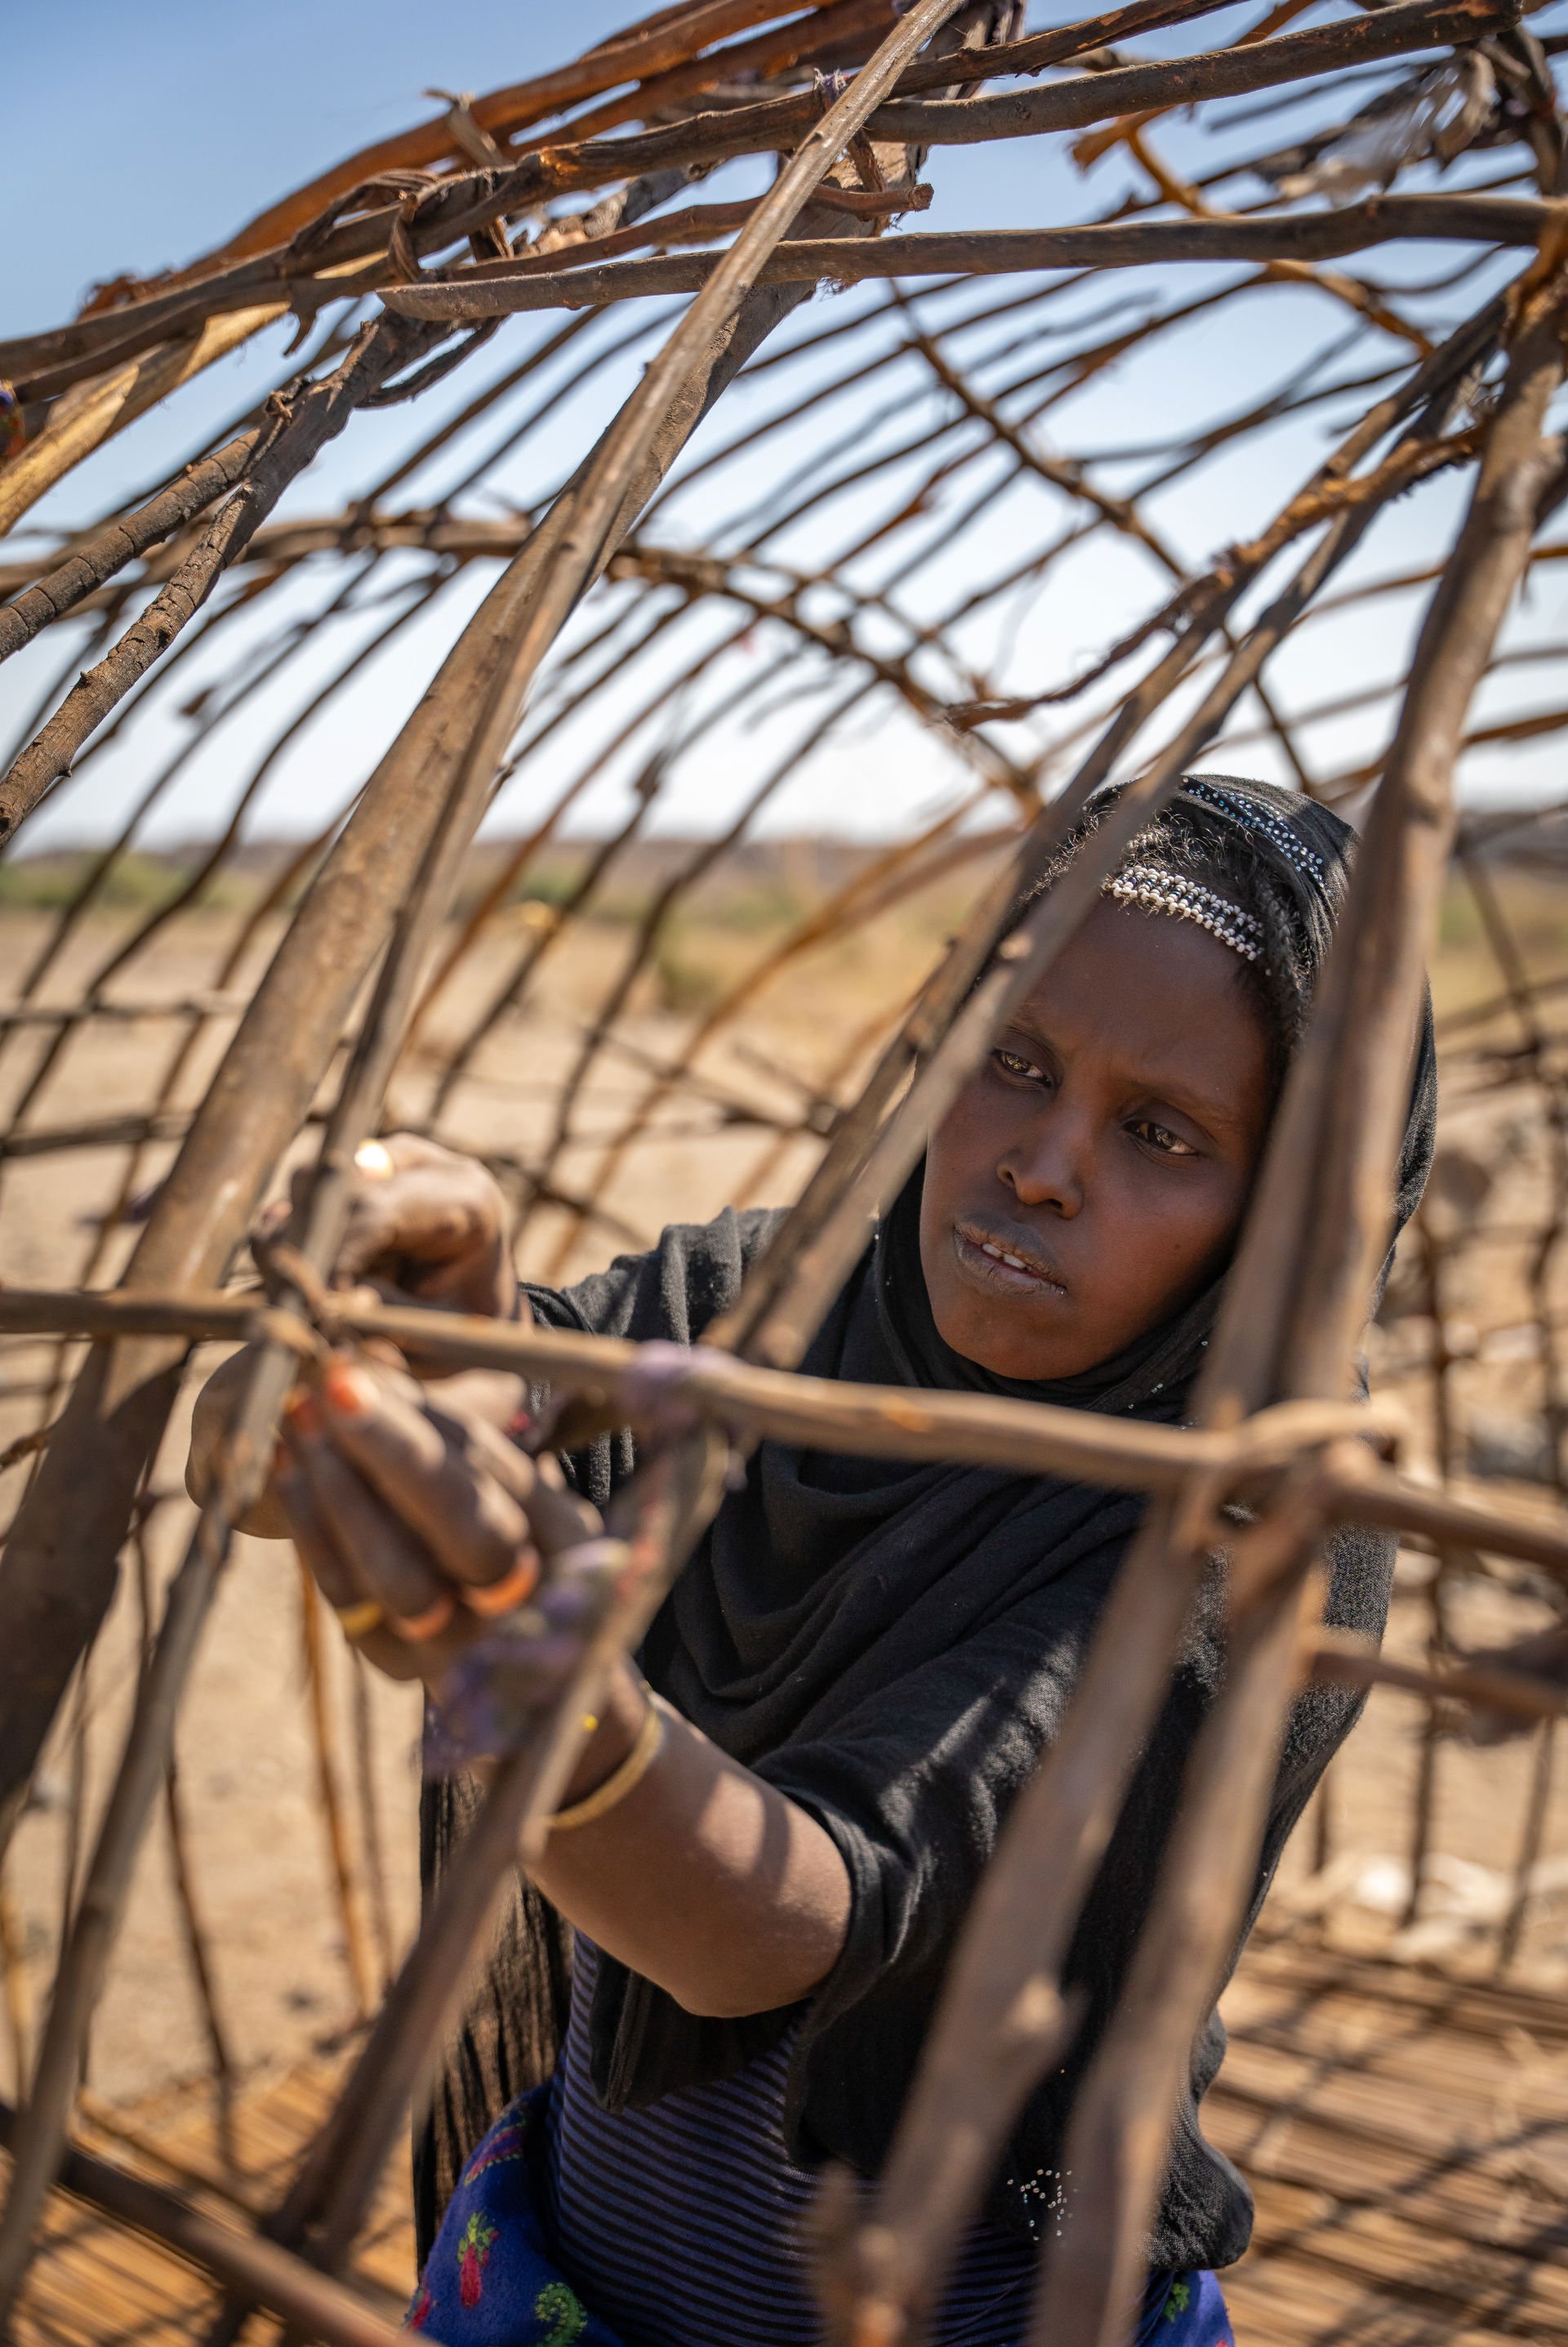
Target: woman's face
[(1090, 1180)]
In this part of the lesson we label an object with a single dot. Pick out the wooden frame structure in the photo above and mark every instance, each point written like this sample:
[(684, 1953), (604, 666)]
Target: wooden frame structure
[(402, 262)]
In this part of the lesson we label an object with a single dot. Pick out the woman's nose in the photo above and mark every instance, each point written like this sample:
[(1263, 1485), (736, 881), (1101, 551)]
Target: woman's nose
[(1049, 1166)]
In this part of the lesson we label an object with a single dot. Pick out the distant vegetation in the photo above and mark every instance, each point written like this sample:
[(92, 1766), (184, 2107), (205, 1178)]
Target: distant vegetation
[(133, 881), (754, 896)]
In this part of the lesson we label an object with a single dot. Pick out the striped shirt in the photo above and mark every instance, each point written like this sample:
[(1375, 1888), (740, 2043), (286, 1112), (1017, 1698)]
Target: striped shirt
[(682, 2225)]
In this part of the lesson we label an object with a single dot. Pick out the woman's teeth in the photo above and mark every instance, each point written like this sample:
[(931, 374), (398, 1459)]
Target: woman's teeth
[(972, 1243)]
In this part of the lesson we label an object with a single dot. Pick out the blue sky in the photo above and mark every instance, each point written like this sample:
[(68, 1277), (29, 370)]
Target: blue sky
[(157, 132)]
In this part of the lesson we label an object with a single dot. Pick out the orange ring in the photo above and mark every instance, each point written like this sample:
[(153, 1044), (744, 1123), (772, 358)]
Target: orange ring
[(415, 1627), (489, 1598)]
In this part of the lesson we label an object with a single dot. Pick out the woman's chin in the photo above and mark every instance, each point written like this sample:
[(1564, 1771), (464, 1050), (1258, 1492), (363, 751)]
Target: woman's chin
[(1029, 1357)]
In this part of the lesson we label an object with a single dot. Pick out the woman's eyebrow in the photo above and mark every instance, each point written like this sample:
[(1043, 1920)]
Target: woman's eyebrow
[(1212, 1110), (1188, 1096), (1023, 1022)]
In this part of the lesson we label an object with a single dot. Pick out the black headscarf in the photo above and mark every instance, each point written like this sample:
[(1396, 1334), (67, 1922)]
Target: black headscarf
[(893, 1645)]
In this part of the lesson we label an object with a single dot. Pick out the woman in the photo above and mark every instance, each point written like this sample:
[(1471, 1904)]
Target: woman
[(776, 1827)]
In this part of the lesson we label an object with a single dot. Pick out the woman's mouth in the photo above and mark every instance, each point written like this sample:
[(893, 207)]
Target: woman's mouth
[(994, 1262)]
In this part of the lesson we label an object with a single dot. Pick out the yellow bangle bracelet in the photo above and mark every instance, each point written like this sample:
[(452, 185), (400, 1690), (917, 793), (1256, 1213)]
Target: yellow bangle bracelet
[(620, 1781)]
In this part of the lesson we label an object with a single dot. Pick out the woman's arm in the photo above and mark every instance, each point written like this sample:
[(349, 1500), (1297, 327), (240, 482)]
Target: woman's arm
[(406, 1504), (704, 1879)]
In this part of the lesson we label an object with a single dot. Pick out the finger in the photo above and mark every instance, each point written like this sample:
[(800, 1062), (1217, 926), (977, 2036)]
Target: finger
[(378, 1207), (386, 1553), (379, 1236), (211, 1417), (442, 1204), (474, 1528), (472, 1410), (422, 1226), (361, 1616), (274, 1220), (557, 1518), (281, 1221), (498, 1398), (374, 1161), (428, 1368), (284, 1218), (430, 1223)]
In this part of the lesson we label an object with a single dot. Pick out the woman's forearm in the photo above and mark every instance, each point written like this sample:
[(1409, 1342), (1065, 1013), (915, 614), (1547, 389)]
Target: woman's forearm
[(704, 1879)]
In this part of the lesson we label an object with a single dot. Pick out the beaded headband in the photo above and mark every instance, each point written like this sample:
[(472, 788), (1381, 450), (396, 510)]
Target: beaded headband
[(1159, 891), (1252, 817)]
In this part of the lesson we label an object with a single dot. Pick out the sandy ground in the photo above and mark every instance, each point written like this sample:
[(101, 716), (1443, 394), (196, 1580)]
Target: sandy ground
[(260, 1862)]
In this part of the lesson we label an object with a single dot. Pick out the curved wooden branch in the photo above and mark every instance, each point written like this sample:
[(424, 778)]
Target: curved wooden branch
[(994, 253), (299, 430), (43, 364), (1291, 1322), (96, 558), (222, 1164), (106, 403)]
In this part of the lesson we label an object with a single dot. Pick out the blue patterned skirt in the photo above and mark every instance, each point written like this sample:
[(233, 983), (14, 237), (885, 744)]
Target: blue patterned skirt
[(492, 2279)]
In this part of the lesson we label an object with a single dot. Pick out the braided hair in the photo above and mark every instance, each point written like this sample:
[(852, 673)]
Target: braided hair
[(1277, 861)]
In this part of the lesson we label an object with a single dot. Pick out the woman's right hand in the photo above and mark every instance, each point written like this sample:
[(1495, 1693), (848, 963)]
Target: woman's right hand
[(426, 1228)]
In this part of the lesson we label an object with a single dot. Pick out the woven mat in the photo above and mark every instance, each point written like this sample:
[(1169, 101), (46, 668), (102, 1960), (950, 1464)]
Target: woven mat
[(95, 2285), (1406, 2136)]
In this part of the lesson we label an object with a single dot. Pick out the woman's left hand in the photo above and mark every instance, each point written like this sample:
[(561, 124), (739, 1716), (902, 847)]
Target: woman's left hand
[(422, 1523), (420, 1520)]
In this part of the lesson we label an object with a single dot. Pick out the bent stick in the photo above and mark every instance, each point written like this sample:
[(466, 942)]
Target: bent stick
[(1317, 1230), (614, 488), (718, 332), (988, 252), (1001, 2019), (273, 2278)]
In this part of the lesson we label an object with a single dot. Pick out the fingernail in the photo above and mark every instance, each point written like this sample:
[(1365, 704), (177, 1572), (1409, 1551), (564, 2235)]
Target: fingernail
[(374, 1160), (348, 1390), (303, 1411)]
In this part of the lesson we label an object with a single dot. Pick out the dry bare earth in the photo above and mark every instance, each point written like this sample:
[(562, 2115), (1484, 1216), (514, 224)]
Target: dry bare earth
[(247, 1773)]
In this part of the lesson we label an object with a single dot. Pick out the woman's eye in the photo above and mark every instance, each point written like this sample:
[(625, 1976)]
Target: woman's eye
[(1161, 1137), (1014, 1063)]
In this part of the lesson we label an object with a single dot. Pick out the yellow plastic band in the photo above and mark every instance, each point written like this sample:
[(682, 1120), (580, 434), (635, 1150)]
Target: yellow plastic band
[(621, 1781), (359, 1620)]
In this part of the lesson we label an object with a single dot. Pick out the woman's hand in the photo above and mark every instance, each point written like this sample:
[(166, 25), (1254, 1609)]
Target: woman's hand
[(425, 1226), (422, 1521), (422, 1524)]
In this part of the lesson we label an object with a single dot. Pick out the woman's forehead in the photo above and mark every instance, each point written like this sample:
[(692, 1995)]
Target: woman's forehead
[(1146, 993), (1132, 961)]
